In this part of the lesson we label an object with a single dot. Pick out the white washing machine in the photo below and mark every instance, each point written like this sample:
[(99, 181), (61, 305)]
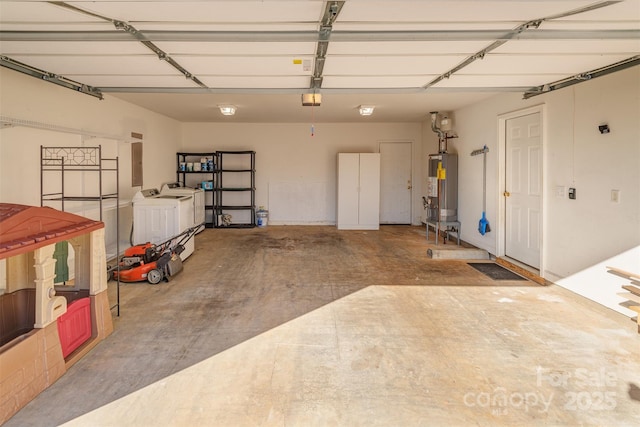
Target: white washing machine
[(198, 200), (157, 218)]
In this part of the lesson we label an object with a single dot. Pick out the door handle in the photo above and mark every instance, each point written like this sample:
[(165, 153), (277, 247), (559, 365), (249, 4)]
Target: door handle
[(506, 194)]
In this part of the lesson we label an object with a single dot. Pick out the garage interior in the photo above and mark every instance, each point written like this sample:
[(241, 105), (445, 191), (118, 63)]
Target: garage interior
[(300, 322)]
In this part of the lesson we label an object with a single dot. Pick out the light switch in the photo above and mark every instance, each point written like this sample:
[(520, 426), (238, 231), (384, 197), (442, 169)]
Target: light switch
[(572, 193)]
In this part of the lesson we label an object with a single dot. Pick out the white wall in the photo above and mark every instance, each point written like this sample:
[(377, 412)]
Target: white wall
[(27, 98), (289, 159), (578, 233)]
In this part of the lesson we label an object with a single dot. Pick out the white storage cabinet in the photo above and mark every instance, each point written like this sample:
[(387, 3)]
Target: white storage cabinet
[(358, 191)]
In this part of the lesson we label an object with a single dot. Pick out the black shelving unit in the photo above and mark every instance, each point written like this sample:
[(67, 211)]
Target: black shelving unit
[(203, 178), (235, 189)]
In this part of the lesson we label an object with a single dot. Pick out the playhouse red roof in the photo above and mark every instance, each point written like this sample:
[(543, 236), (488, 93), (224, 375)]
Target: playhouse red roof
[(26, 228)]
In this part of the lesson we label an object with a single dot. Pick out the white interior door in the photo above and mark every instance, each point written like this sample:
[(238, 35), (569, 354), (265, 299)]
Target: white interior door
[(523, 189), (395, 183)]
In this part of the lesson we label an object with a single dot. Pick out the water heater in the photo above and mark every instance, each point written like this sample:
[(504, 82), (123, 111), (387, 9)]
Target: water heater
[(442, 188)]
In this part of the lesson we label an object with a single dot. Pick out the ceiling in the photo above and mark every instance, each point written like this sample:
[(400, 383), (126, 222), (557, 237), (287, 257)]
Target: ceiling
[(185, 58)]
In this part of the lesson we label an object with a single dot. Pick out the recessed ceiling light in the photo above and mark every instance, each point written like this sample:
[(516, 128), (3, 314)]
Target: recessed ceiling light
[(366, 110), (227, 110)]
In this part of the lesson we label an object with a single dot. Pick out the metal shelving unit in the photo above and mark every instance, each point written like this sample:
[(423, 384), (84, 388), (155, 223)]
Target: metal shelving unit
[(193, 178), (235, 189), (77, 168)]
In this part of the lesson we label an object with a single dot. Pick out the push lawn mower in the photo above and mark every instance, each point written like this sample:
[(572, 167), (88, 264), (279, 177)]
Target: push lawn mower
[(153, 262)]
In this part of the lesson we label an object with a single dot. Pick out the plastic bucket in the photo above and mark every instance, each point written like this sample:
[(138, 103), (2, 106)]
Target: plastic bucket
[(262, 218)]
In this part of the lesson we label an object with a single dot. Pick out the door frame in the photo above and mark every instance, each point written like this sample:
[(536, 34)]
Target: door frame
[(411, 171), (502, 179)]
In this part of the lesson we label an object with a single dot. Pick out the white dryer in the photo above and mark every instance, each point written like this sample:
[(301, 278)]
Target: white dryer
[(157, 218), (198, 200)]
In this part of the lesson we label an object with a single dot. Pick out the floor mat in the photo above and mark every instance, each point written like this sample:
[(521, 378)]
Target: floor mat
[(495, 271)]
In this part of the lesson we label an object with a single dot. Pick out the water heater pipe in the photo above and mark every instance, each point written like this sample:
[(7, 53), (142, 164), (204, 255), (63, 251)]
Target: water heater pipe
[(442, 136)]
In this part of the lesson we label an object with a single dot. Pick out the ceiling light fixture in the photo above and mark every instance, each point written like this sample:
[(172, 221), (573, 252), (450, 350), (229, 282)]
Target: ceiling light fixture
[(366, 110), (227, 110)]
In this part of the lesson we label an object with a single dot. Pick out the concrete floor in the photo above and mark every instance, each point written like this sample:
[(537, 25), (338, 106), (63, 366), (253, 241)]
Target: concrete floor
[(302, 326)]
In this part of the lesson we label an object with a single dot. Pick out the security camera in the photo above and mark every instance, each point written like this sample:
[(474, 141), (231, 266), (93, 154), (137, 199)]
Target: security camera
[(604, 129)]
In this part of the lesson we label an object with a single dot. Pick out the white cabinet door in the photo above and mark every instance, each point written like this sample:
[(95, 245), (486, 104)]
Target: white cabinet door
[(348, 182), (358, 191), (369, 200)]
